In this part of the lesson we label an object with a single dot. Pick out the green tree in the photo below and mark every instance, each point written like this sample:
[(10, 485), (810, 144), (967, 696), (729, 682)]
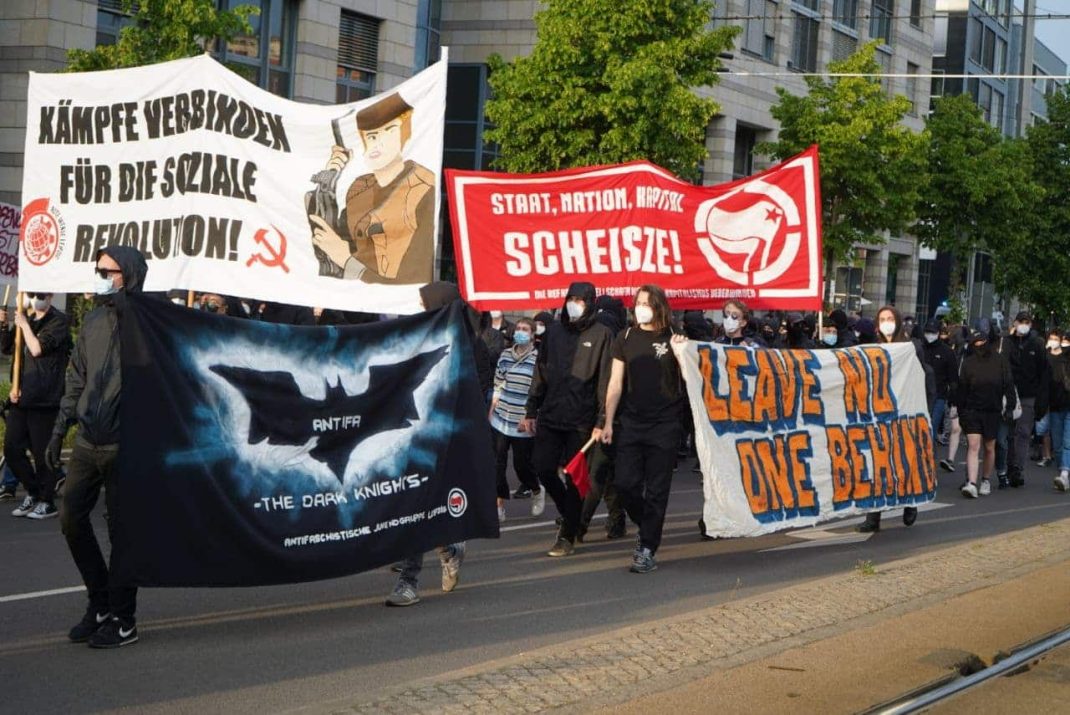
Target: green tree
[(979, 186), (872, 167), (164, 30), (609, 81)]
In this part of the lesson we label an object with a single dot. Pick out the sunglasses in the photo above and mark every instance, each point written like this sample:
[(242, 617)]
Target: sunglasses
[(107, 272), (37, 296)]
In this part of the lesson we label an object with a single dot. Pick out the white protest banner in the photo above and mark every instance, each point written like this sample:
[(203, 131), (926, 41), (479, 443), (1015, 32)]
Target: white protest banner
[(790, 438), (227, 188), (9, 244)]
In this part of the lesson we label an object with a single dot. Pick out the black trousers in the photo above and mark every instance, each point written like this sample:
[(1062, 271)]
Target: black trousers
[(646, 457), (602, 485), (553, 449), (522, 451), (90, 468), (29, 430)]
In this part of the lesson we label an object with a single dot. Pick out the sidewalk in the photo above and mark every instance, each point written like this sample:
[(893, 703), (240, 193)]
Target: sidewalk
[(837, 644)]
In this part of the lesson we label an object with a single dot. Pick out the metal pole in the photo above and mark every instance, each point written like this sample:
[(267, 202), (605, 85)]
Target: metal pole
[(1025, 86)]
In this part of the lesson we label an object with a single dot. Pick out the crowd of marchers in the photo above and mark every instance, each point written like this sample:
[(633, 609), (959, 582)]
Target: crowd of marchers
[(590, 376)]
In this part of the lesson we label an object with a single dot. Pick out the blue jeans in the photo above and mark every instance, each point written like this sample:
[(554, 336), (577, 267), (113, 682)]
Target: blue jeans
[(1059, 427), (9, 479), (939, 407), (412, 565)]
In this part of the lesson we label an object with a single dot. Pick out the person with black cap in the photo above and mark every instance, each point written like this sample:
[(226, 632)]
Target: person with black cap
[(890, 328), (941, 359), (797, 336), (91, 399), (1029, 365), (567, 402), (985, 391)]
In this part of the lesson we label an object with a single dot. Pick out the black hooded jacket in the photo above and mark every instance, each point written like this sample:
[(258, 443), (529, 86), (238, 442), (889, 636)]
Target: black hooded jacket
[(568, 391), (93, 376), (41, 384), (440, 294), (1029, 363)]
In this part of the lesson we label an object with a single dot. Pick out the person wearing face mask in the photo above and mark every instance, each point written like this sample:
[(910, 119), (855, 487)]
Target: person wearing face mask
[(566, 403), (941, 359), (1054, 403), (890, 328), (796, 335), (646, 375), (1029, 365), (835, 333), (985, 392), (541, 321), (503, 326), (512, 383), (736, 319), (91, 399), (1053, 346), (33, 407)]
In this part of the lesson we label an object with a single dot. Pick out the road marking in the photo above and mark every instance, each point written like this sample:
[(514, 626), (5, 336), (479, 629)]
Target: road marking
[(41, 594)]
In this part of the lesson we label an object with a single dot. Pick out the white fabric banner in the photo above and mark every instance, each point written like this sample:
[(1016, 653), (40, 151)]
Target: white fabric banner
[(225, 187), (10, 218), (790, 438)]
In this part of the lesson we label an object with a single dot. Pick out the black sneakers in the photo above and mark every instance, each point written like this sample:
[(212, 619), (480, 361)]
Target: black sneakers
[(114, 634), (89, 624), (643, 561)]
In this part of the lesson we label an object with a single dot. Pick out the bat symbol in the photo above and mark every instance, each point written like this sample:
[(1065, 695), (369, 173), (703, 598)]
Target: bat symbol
[(281, 414)]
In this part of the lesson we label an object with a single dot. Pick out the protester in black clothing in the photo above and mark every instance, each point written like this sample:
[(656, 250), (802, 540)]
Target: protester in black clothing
[(985, 393), (91, 400), (941, 359), (796, 335), (737, 318), (866, 330), (566, 402), (610, 312), (768, 331), (890, 329), (542, 320), (835, 333), (283, 314), (696, 327), (31, 415), (1029, 365), (646, 375), (498, 322)]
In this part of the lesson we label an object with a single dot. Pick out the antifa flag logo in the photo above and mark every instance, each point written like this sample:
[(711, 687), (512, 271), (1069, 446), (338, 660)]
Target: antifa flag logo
[(282, 415), (752, 234), (457, 502), (40, 235)]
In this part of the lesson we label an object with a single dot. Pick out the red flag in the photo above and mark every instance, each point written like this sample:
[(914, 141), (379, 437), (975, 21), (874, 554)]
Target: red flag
[(579, 473)]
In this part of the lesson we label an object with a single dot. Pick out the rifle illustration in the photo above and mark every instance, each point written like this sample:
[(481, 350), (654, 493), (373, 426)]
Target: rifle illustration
[(322, 201)]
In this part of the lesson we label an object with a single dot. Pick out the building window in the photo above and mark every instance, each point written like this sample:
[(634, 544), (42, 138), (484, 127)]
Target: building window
[(265, 55), (814, 5), (759, 32), (880, 21), (110, 20), (884, 59), (988, 49), (915, 13), (1000, 65), (997, 109), (743, 161), (936, 90), (845, 12), (804, 43), (428, 33), (466, 93), (940, 36), (843, 45), (977, 34), (925, 272), (893, 276), (358, 57), (912, 87)]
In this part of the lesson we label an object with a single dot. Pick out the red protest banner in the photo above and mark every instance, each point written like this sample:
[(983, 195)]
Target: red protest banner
[(520, 240)]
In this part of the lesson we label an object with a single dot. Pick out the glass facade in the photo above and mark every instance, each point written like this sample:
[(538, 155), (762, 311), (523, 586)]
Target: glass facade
[(358, 57), (264, 56)]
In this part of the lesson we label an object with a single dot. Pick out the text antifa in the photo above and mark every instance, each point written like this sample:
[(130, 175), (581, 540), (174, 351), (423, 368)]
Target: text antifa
[(162, 117), (879, 458)]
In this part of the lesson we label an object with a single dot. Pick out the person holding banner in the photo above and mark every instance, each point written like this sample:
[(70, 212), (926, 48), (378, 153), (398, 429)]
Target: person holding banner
[(984, 397), (890, 330), (567, 397), (646, 374), (46, 346), (91, 400)]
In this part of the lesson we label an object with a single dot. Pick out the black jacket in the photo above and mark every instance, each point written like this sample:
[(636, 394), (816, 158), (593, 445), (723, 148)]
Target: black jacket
[(568, 391), (1029, 363), (941, 359), (41, 385), (94, 375), (1056, 396), (440, 294), (984, 382)]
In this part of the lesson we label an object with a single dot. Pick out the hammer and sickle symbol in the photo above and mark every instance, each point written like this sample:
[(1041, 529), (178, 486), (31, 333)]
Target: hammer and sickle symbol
[(269, 255)]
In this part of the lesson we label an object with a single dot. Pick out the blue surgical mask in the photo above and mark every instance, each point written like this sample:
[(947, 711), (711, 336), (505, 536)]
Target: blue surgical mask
[(521, 337), (103, 286), (829, 338)]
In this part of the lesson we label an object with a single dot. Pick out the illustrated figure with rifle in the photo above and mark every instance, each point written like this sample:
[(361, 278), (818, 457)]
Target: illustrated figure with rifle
[(385, 231), (41, 343)]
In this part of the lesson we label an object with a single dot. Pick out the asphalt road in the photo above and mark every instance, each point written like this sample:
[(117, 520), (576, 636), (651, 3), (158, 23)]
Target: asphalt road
[(277, 648)]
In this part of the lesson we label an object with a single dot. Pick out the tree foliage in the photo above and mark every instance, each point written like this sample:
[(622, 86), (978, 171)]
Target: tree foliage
[(872, 166), (609, 81), (164, 30)]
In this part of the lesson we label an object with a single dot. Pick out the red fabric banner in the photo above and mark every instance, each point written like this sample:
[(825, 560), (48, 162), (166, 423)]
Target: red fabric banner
[(520, 240)]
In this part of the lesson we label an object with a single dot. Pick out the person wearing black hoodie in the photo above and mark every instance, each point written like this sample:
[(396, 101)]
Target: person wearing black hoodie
[(434, 296), (91, 399), (1029, 365), (567, 401), (941, 358)]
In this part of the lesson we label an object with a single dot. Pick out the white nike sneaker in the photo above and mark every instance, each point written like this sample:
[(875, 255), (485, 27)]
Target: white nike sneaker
[(1062, 482), (969, 490), (986, 488)]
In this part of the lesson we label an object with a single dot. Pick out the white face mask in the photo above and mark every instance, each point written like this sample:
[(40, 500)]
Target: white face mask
[(575, 310), (731, 325), (887, 329), (496, 314), (540, 329), (104, 286), (40, 305), (1052, 344), (27, 302), (931, 337), (644, 314), (1023, 329)]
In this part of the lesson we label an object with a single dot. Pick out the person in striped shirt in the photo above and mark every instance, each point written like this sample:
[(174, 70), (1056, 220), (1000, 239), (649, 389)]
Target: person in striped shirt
[(512, 381)]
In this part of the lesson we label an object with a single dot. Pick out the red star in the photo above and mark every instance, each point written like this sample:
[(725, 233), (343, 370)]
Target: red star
[(772, 214)]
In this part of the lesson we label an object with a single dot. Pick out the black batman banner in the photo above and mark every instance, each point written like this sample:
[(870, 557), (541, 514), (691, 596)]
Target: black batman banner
[(255, 453)]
